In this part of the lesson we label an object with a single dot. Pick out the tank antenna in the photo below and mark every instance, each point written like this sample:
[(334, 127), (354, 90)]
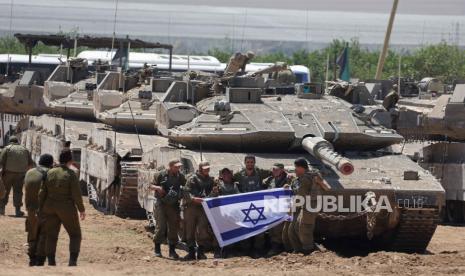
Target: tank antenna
[(114, 31), (201, 152)]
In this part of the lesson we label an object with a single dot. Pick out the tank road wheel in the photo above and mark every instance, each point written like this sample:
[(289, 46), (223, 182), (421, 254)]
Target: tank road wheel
[(455, 211)]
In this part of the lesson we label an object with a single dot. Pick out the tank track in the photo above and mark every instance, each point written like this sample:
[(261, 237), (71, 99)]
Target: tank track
[(415, 229), (126, 203)]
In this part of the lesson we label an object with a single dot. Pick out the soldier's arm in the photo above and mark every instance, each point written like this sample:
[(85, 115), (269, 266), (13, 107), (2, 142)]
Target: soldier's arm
[(215, 189), (43, 194), (31, 192), (318, 180), (266, 183), (76, 193), (237, 177), (264, 173), (187, 190), (3, 158)]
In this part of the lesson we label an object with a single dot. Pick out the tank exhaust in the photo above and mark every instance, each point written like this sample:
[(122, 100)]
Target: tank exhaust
[(324, 151)]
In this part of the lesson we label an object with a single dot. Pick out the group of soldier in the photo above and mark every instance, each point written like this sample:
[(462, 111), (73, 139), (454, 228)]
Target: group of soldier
[(179, 212), (52, 198)]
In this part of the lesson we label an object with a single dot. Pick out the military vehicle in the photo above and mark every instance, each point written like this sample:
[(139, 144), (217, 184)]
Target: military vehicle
[(349, 147)]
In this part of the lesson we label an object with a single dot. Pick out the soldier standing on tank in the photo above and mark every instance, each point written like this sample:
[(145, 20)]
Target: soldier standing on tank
[(15, 160), (278, 179), (307, 185), (250, 179), (198, 186), (390, 103), (167, 187), (34, 224), (60, 200)]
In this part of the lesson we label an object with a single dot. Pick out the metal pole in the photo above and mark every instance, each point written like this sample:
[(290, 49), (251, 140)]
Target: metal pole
[(3, 128), (8, 59), (382, 55), (114, 32), (400, 72), (327, 71), (171, 59)]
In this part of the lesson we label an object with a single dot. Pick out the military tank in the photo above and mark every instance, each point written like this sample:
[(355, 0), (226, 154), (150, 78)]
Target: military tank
[(350, 148)]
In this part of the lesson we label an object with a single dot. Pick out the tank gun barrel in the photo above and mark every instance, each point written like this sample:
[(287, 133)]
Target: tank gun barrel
[(324, 151)]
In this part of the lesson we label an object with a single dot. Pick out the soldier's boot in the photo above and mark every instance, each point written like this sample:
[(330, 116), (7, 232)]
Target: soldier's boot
[(218, 254), (201, 253), (51, 260), (173, 253), (40, 260), (190, 255), (19, 213), (275, 250), (32, 260), (157, 250), (73, 257), (2, 210)]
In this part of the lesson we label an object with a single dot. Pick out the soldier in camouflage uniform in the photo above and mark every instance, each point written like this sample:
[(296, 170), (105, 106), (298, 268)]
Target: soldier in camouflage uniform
[(198, 186), (15, 160), (168, 191), (250, 179), (224, 186), (34, 224), (60, 200), (307, 183), (278, 179), (285, 77)]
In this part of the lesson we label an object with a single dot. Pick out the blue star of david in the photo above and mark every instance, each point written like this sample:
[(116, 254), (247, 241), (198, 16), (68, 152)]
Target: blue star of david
[(251, 208)]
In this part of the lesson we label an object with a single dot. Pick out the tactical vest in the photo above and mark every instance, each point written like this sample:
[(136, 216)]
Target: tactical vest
[(251, 183), (171, 186)]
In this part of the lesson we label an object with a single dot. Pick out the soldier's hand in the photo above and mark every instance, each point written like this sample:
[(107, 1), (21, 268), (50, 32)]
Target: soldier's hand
[(82, 215), (197, 200), (216, 189)]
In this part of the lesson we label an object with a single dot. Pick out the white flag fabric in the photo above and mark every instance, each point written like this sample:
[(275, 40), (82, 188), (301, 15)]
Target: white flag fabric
[(237, 217)]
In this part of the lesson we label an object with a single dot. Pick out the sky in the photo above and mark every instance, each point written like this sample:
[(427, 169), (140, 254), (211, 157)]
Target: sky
[(418, 22)]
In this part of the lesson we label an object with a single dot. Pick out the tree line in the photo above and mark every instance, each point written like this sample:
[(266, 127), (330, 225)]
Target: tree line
[(444, 61)]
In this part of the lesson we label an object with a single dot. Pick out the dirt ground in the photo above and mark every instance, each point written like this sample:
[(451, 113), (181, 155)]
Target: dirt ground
[(114, 246)]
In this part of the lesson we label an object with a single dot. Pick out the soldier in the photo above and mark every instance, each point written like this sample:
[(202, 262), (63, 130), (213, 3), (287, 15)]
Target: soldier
[(59, 202), (15, 160), (390, 102), (226, 185), (278, 179), (198, 186), (167, 187), (237, 63), (285, 77), (250, 179), (308, 183), (35, 234)]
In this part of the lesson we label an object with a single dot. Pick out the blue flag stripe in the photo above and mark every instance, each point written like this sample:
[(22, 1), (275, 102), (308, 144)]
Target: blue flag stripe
[(244, 231), (222, 201)]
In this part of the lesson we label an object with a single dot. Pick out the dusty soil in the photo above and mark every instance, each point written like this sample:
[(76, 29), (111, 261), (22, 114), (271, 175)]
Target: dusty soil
[(114, 246)]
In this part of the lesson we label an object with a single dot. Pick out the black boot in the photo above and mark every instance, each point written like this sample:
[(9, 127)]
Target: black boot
[(40, 260), (32, 260), (73, 257), (2, 210), (51, 260), (190, 255), (157, 250), (275, 250), (201, 253), (19, 213), (218, 254), (173, 253)]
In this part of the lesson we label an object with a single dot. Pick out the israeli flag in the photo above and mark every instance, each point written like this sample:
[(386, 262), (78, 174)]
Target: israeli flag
[(237, 217)]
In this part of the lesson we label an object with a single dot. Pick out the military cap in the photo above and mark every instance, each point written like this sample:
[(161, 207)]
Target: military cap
[(224, 170), (204, 165), (278, 166), (175, 162), (301, 162), (13, 139)]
